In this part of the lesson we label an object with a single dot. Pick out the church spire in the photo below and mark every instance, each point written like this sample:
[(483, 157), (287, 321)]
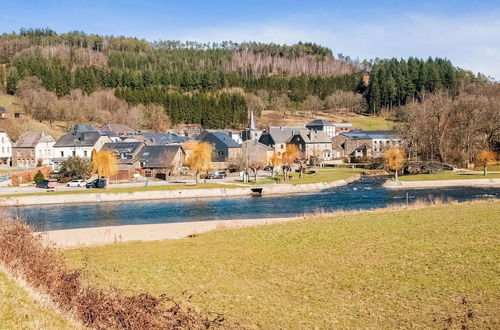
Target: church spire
[(251, 121)]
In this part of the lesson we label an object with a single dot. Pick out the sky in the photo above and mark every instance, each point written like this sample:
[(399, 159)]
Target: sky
[(466, 32)]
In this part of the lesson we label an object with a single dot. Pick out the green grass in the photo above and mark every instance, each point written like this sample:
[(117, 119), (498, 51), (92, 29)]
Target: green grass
[(20, 311), (128, 189), (321, 175), (379, 270), (372, 123), (448, 175)]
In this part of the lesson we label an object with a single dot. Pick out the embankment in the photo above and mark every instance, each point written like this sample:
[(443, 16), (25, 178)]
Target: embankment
[(98, 197), (392, 184)]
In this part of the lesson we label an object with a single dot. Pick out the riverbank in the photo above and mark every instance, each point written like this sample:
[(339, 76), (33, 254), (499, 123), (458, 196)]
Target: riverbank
[(392, 184), (98, 197)]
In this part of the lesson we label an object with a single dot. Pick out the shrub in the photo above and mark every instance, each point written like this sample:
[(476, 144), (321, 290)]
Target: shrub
[(39, 176), (43, 268)]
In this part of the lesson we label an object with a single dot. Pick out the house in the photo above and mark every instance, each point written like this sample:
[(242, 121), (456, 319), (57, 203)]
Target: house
[(342, 128), (126, 154), (5, 149), (364, 144), (33, 149), (161, 161), (3, 112), (278, 136), (118, 129), (225, 149), (79, 142), (314, 145), (254, 151), (322, 125)]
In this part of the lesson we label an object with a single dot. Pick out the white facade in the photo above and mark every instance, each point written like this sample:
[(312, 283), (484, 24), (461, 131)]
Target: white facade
[(44, 150), (80, 151), (5, 149)]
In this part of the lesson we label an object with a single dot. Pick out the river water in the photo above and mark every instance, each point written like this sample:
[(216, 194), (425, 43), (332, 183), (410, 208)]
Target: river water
[(366, 193)]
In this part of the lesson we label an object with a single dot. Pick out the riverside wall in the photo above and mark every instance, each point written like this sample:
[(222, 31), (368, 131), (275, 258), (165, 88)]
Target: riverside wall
[(392, 184), (268, 189)]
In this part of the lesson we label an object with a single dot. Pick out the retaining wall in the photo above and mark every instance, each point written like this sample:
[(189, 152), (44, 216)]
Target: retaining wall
[(271, 189), (391, 184)]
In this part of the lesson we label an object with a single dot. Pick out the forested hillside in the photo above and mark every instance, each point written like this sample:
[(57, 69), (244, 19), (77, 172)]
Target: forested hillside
[(77, 77)]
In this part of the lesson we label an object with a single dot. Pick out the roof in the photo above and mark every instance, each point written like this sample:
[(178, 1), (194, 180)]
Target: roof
[(313, 136), (118, 129), (320, 122), (224, 138), (158, 156), (31, 139), (258, 144), (3, 110), (342, 124), (79, 139), (281, 134), (83, 128), (153, 138), (119, 147), (369, 135)]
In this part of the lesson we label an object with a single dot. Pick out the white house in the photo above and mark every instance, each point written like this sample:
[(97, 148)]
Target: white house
[(5, 149), (79, 142)]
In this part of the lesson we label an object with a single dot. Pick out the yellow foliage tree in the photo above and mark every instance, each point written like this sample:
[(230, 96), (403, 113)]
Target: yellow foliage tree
[(275, 161), (199, 158), (394, 159), (104, 164), (290, 155), (486, 158)]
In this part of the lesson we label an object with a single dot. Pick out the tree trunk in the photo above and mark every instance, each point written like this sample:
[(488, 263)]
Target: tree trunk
[(197, 177), (256, 175), (485, 170), (396, 175)]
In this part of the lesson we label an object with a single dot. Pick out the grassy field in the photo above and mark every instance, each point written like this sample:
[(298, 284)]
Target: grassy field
[(448, 175), (320, 175), (372, 123), (20, 311), (387, 269), (128, 189)]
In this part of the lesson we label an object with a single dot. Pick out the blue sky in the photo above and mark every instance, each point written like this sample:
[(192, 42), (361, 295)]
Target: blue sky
[(466, 32)]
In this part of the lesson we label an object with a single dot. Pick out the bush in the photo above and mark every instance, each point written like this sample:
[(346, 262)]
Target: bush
[(43, 268), (39, 176)]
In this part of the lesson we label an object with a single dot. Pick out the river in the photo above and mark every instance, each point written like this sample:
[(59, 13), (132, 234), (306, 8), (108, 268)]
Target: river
[(366, 193)]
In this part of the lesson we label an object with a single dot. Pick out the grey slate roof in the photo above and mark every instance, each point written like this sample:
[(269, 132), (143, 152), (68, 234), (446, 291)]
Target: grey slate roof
[(230, 143), (31, 139), (365, 135), (313, 137), (2, 110), (280, 134), (118, 129), (119, 147), (79, 139), (320, 122), (152, 138), (158, 156)]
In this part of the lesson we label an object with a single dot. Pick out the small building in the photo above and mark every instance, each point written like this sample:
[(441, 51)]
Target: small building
[(225, 149), (364, 144), (316, 146), (254, 151), (161, 161), (3, 112), (322, 125), (79, 142), (5, 149), (33, 149), (342, 128), (119, 129)]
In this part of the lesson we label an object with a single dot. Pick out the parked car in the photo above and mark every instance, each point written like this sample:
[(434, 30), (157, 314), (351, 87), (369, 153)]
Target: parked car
[(76, 183), (217, 175), (268, 168), (97, 183), (46, 184)]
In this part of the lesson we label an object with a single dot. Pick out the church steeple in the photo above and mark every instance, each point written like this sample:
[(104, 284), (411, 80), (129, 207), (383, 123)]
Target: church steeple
[(251, 121)]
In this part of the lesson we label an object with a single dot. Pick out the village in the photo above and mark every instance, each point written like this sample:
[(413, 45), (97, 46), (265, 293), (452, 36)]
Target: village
[(159, 157)]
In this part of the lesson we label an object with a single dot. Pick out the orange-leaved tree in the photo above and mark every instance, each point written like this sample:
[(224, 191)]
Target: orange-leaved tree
[(104, 164), (290, 155), (276, 161), (256, 166), (394, 159), (199, 157), (486, 158)]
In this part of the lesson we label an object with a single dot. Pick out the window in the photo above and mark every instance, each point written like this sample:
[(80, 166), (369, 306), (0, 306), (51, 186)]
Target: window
[(62, 153), (73, 153), (220, 153), (85, 153)]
